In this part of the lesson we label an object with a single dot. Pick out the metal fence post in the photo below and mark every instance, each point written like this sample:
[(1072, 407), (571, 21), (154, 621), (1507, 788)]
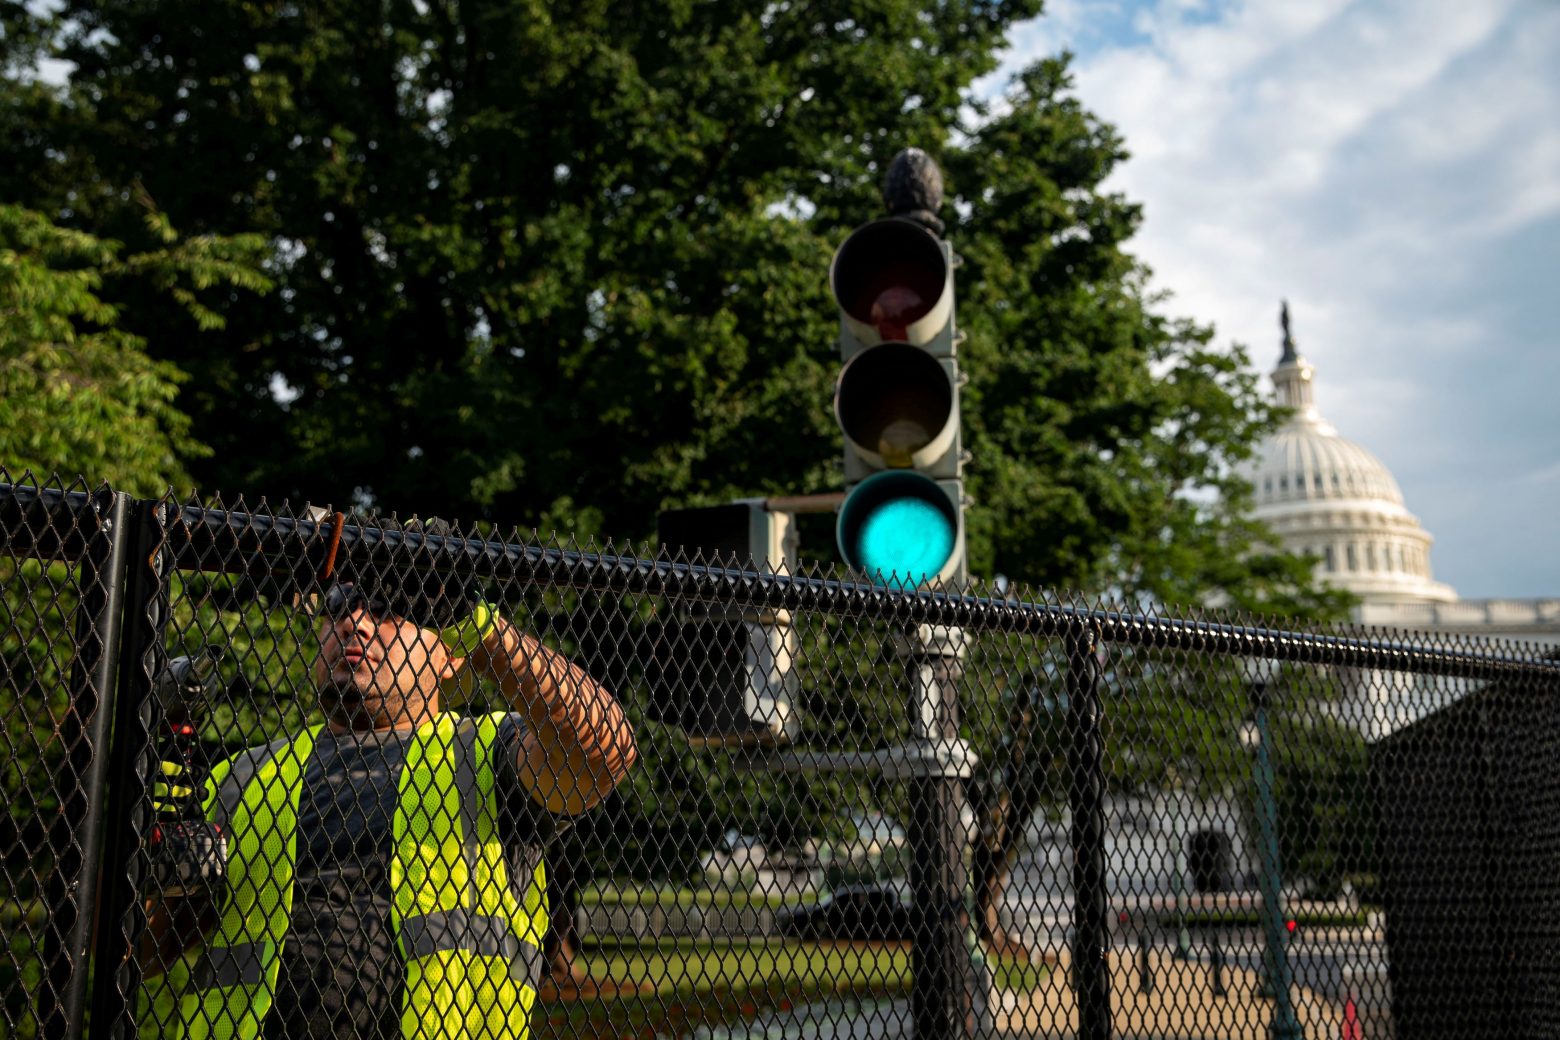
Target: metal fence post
[(940, 1003), (1086, 797), (131, 760), (84, 733), (1275, 946)]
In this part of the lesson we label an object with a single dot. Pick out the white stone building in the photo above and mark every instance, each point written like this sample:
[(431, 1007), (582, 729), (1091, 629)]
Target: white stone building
[(1325, 495)]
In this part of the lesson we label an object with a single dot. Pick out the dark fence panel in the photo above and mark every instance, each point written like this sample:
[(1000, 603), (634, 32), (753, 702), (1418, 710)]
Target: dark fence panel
[(990, 815), (1470, 840)]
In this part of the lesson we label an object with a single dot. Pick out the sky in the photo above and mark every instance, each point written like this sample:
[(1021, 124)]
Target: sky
[(1392, 169)]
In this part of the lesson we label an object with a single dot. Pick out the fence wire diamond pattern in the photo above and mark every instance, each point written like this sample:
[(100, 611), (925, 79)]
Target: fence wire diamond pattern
[(277, 774)]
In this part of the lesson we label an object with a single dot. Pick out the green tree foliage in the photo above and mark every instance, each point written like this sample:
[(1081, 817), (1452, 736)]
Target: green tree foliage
[(78, 392), (1325, 802), (540, 263), (563, 265), (80, 396)]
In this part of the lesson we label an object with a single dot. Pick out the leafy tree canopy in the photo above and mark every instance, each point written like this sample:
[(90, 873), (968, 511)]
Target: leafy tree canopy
[(564, 265), (78, 393)]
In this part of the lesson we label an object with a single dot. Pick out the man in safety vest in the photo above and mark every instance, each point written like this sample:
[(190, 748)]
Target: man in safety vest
[(383, 871)]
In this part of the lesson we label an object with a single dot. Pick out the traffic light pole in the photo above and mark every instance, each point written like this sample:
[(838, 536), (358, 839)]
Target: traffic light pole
[(948, 1000), (943, 1001), (901, 524)]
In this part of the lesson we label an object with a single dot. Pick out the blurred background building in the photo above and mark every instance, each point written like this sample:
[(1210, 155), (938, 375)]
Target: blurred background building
[(1328, 497)]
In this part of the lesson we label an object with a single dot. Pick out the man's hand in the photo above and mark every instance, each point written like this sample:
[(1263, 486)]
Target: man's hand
[(186, 853), (174, 791), (468, 633), (462, 639)]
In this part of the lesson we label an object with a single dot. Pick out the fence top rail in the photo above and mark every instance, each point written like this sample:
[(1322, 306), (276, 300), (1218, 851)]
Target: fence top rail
[(261, 543), (51, 523)]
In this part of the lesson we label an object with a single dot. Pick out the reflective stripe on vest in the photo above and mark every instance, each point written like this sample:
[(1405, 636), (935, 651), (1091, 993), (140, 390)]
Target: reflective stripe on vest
[(485, 935), (472, 948), (242, 964)]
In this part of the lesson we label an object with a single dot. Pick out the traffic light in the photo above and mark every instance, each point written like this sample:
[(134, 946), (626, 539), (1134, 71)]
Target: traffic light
[(739, 536), (897, 400), (725, 677)]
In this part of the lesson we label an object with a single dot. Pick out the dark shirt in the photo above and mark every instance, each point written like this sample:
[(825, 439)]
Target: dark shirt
[(342, 974)]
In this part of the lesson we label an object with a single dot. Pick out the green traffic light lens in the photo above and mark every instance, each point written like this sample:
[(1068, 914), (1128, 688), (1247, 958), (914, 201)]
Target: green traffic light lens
[(900, 528), (905, 540)]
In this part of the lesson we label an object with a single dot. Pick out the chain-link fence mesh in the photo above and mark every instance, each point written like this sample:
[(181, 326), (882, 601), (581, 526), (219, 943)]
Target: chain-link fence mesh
[(375, 778), (59, 600)]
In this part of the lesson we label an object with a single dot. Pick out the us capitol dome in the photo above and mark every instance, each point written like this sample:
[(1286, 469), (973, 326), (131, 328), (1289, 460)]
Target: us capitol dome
[(1327, 496)]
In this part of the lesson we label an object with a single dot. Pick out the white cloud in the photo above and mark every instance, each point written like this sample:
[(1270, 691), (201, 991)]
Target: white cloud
[(1544, 474), (1392, 167)]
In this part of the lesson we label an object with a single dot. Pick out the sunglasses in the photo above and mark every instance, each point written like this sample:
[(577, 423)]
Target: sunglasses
[(343, 598), (430, 608)]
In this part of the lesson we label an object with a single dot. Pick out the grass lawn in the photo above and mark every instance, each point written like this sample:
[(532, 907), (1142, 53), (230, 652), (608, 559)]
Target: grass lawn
[(708, 983)]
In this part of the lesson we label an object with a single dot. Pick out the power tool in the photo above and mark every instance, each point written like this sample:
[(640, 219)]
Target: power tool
[(187, 852)]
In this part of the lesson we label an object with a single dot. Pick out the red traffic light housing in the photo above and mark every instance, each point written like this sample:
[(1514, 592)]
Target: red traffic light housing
[(893, 280)]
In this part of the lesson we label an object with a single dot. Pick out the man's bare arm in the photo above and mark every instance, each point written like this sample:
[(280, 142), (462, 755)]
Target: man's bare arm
[(579, 745)]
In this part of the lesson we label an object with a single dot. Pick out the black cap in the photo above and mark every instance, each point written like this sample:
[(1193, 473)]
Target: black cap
[(431, 598)]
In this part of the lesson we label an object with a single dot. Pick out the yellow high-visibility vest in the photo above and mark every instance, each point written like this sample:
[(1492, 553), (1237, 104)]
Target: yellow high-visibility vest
[(472, 947)]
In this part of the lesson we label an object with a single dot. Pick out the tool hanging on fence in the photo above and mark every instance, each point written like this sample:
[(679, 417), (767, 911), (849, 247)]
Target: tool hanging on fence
[(186, 851)]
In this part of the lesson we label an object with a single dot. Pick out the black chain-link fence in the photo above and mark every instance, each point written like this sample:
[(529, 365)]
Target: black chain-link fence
[(278, 775)]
